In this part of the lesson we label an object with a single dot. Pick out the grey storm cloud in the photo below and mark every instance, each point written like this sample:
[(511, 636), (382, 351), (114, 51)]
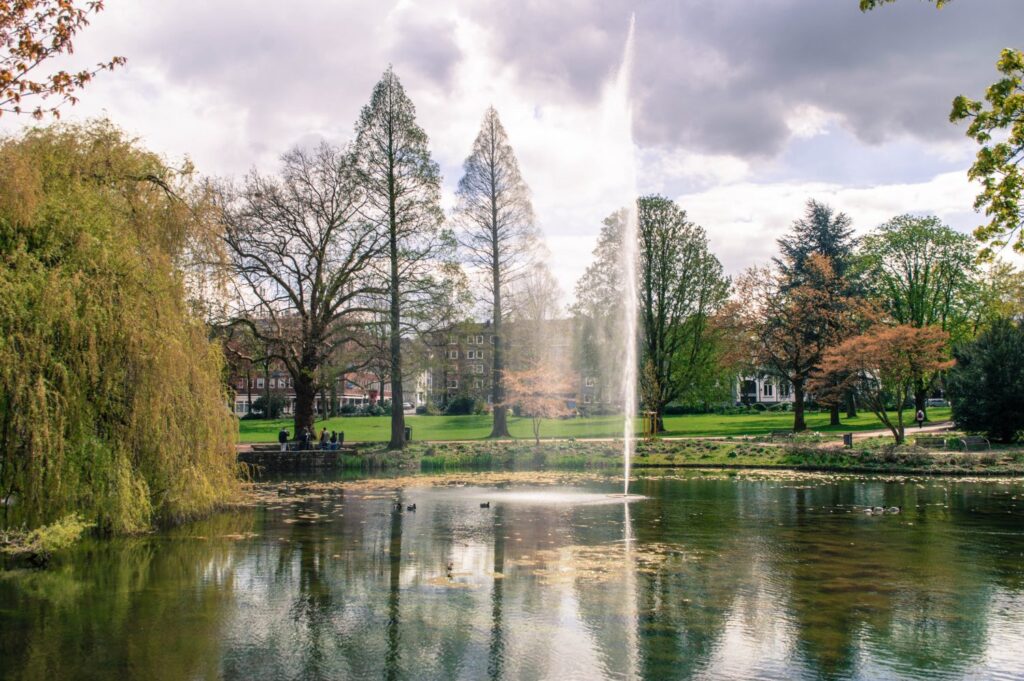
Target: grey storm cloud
[(719, 76), (723, 76)]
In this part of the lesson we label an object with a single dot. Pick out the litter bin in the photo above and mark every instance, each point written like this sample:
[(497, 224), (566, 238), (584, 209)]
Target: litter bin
[(408, 434), (848, 440)]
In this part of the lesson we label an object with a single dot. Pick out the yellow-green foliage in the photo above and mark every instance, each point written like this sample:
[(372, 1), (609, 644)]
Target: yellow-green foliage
[(110, 400), (46, 539)]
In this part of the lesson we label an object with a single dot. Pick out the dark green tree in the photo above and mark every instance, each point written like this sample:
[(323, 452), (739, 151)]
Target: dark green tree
[(986, 383), (402, 185), (821, 231), (681, 287), (497, 236)]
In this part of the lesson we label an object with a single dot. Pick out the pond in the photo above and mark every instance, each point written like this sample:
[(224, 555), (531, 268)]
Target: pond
[(707, 576)]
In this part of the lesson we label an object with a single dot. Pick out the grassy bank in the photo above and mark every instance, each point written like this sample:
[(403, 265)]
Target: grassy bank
[(873, 455), (446, 428)]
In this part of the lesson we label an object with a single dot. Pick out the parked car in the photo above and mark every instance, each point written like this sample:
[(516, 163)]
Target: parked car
[(407, 405), (936, 402)]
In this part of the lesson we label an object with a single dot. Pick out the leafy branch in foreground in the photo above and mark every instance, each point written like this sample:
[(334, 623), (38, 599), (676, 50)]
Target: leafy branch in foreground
[(999, 129), (32, 32)]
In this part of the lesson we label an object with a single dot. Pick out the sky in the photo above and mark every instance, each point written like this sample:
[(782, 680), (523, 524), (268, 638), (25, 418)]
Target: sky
[(738, 110)]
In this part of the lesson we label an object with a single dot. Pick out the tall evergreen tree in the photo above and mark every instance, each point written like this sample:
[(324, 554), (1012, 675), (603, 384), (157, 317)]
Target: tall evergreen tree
[(821, 232), (497, 235), (403, 199)]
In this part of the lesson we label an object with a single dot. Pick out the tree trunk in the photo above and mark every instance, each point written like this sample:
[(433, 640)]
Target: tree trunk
[(500, 425), (395, 286), (392, 655), (496, 649), (799, 424), (397, 413), (851, 405), (305, 393), (833, 415)]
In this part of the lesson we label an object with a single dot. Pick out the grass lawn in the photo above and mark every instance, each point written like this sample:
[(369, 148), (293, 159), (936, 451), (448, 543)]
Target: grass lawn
[(378, 428)]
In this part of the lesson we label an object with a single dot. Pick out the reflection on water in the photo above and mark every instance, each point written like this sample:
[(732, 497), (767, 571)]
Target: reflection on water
[(708, 576)]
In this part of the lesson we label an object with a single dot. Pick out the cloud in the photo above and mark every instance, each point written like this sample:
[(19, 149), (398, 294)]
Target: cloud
[(743, 220), (741, 109)]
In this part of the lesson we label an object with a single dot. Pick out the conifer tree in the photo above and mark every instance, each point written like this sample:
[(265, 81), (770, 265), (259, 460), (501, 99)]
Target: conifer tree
[(497, 235), (402, 185)]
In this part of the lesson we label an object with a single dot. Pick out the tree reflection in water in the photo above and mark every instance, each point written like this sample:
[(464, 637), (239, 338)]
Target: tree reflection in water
[(730, 576)]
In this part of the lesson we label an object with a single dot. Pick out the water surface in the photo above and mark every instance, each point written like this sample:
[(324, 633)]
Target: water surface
[(708, 576)]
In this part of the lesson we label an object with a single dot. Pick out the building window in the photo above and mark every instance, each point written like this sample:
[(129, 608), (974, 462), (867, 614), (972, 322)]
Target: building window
[(479, 340), (492, 340), (784, 390), (590, 381), (453, 383), (767, 389), (478, 368), (478, 383), (453, 354), (469, 340), (259, 382), (587, 399), (241, 384), (453, 340)]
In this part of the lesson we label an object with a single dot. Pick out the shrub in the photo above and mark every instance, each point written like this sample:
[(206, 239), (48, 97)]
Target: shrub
[(986, 384), (461, 405), (260, 407), (348, 409)]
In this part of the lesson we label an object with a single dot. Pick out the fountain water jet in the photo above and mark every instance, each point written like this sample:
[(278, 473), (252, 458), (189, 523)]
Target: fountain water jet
[(621, 111)]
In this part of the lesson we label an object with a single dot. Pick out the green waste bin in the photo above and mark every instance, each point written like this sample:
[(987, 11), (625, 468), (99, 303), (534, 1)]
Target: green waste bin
[(408, 434)]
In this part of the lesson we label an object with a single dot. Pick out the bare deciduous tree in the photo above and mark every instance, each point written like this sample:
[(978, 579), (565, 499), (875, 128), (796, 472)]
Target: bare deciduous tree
[(301, 255)]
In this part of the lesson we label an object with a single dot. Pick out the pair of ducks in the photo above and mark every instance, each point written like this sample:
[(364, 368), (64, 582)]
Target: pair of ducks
[(880, 510)]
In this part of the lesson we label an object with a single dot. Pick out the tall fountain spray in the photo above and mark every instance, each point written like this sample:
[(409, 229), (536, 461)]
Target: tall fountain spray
[(619, 103)]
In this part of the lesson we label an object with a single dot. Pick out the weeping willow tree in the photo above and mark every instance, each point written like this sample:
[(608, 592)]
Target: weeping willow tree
[(111, 404)]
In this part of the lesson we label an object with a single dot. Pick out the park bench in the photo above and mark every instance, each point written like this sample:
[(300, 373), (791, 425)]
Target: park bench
[(930, 442), (781, 435), (973, 443)]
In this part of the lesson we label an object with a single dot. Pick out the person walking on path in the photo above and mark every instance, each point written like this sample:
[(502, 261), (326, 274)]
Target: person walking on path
[(282, 437), (920, 419)]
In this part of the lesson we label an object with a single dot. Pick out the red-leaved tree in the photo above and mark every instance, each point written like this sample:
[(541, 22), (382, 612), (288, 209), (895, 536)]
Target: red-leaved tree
[(882, 366)]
